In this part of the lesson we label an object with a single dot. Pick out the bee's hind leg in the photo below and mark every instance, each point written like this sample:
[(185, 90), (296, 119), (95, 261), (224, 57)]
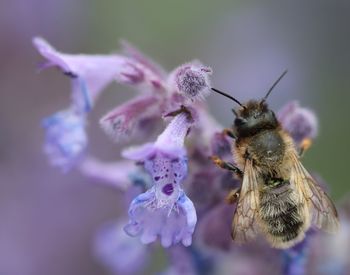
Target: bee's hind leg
[(304, 145), (226, 165)]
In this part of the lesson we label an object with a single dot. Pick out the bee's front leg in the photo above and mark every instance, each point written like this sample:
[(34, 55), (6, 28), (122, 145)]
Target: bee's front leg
[(227, 166), (233, 196), (304, 145), (229, 132)]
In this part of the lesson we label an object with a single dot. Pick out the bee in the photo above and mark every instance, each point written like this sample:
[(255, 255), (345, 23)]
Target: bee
[(278, 197)]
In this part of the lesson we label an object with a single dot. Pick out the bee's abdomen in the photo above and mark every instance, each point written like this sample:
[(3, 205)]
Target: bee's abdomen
[(281, 214)]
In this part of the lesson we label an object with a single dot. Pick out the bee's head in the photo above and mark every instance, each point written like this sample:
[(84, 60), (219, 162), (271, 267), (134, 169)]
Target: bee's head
[(254, 117)]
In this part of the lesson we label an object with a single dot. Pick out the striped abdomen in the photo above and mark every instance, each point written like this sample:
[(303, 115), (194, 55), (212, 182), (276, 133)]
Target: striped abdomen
[(281, 215)]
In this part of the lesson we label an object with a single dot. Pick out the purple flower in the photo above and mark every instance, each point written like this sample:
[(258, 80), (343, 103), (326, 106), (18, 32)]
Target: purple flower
[(164, 210), (118, 252), (132, 52), (300, 122), (65, 138), (97, 71), (192, 81), (124, 120)]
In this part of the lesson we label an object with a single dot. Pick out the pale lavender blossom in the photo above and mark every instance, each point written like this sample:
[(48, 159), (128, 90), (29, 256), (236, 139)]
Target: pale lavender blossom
[(65, 138), (192, 80), (300, 122), (97, 71), (128, 118), (164, 210)]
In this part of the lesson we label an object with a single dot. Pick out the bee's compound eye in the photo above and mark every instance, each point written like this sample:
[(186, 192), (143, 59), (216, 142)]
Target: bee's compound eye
[(240, 121)]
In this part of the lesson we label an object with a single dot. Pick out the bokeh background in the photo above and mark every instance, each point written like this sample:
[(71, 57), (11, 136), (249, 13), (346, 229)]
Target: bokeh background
[(48, 219)]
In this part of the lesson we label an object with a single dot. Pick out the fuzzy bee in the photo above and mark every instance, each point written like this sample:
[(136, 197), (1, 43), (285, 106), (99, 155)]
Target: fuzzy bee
[(278, 197)]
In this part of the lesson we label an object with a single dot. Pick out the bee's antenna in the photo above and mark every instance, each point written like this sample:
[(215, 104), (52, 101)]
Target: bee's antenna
[(274, 85), (230, 97)]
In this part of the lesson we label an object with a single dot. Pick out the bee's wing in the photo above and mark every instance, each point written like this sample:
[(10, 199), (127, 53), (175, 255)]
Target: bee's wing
[(323, 211), (243, 225)]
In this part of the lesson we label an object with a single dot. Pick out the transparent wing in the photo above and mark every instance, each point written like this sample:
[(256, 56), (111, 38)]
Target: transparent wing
[(243, 225), (323, 211)]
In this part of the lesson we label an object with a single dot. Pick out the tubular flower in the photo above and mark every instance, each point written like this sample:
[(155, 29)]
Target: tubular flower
[(164, 210), (300, 122), (192, 81), (65, 138), (97, 71)]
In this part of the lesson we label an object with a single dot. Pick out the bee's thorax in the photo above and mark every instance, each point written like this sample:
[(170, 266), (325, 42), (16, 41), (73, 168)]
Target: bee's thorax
[(266, 149)]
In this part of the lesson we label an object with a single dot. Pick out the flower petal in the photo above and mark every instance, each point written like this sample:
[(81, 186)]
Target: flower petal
[(97, 70), (191, 218), (139, 153), (135, 54), (65, 138), (191, 80), (82, 101), (173, 137), (148, 222), (167, 172), (300, 122), (170, 142), (122, 122)]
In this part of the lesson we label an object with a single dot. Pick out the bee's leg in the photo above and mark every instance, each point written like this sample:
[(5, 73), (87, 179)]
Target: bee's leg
[(229, 132), (226, 165), (233, 196), (304, 146)]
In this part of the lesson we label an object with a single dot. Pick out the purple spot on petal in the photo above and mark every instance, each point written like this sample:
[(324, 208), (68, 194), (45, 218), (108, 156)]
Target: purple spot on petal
[(156, 178), (168, 189)]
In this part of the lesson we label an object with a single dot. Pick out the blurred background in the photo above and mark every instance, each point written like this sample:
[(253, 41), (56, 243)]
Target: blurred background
[(48, 219)]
